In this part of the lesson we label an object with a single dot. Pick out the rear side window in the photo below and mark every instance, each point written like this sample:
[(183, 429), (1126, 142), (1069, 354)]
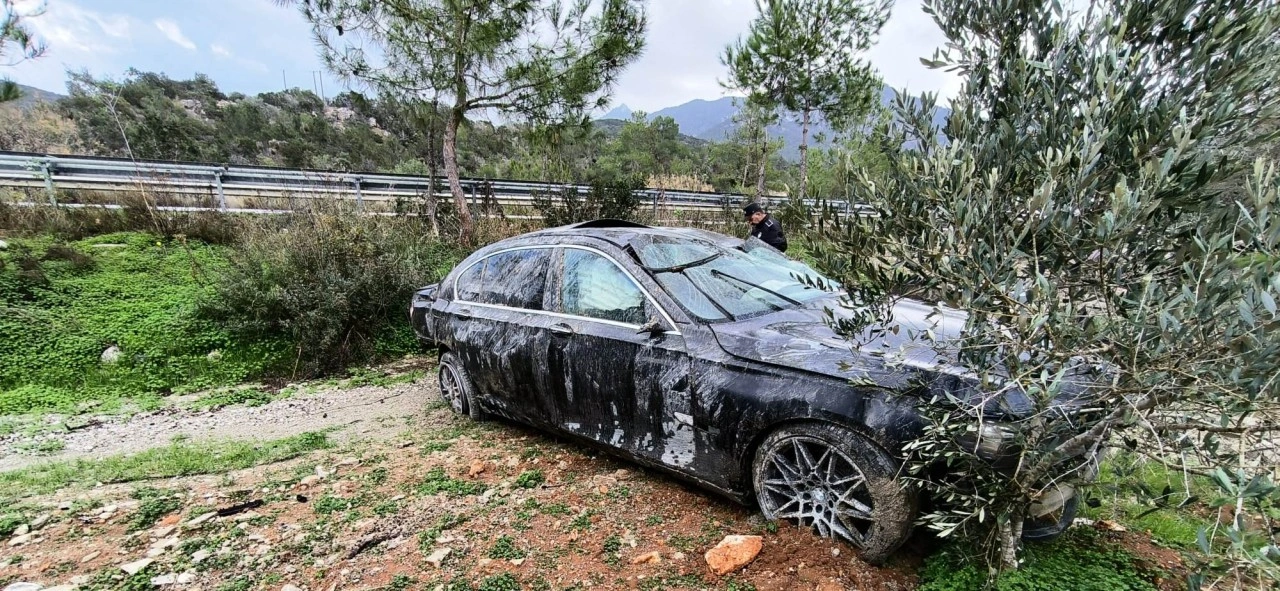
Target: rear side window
[(516, 279), (469, 283)]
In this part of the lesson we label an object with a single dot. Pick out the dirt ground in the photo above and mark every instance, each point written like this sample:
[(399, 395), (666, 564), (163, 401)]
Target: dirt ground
[(410, 497), (514, 509)]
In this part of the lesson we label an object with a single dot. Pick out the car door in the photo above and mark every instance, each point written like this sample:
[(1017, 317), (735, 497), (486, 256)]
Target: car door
[(500, 327), (608, 379)]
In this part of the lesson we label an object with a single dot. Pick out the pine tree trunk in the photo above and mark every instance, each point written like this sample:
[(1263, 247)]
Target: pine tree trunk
[(432, 205), (466, 225), (804, 155), (763, 141)]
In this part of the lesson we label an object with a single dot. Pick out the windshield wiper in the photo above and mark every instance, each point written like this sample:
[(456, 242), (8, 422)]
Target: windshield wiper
[(720, 273), (681, 267)]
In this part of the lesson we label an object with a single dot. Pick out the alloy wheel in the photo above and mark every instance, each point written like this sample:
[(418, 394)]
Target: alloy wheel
[(807, 480)]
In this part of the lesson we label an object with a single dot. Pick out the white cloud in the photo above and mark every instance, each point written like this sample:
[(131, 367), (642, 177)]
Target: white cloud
[(68, 29), (219, 50), (910, 35), (173, 33), (685, 40)]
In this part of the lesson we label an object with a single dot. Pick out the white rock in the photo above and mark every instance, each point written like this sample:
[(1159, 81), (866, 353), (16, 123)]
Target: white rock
[(90, 556), (163, 532), (196, 522), (200, 555), (186, 578), (3, 245), (162, 580), (22, 539), (290, 588), (135, 567), (39, 522), (22, 530), (165, 544), (213, 356), (62, 588), (437, 558), (109, 509), (24, 587), (348, 462), (111, 355)]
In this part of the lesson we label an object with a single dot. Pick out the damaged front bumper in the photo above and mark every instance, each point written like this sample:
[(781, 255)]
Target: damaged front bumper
[(1055, 510)]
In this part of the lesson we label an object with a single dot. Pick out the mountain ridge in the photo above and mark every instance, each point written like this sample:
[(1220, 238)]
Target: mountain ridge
[(712, 120)]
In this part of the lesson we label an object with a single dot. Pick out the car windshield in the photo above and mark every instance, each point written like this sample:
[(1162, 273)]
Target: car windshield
[(716, 283)]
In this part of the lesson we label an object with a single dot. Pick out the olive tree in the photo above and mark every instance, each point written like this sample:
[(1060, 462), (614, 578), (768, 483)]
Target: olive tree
[(1075, 207), (542, 60), (806, 56)]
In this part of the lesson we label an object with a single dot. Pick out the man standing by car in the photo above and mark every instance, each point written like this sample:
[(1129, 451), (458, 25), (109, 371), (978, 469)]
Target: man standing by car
[(764, 227)]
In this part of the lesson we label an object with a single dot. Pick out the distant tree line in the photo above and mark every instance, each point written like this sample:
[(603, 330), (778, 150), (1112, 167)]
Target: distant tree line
[(147, 115)]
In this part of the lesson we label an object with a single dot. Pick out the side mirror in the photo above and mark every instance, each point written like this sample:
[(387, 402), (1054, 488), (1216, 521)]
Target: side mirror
[(653, 327)]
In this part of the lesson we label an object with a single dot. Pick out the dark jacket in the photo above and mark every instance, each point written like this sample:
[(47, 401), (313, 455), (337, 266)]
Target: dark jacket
[(770, 231)]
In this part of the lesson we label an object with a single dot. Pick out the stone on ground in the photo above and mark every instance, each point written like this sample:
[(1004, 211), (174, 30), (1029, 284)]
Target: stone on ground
[(733, 553)]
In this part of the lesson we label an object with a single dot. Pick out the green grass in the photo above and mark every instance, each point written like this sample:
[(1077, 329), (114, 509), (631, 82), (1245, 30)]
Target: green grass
[(66, 303), (437, 481), (1080, 561), (178, 459), (1149, 497), (505, 549)]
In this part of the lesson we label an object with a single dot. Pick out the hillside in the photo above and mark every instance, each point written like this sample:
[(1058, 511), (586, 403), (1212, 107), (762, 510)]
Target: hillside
[(712, 120), (612, 127), (32, 96)]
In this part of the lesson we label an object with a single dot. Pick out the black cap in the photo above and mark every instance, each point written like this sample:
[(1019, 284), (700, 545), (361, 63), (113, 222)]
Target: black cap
[(752, 209)]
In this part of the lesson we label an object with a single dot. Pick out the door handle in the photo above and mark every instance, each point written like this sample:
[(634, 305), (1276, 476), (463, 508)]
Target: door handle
[(463, 314), (561, 329)]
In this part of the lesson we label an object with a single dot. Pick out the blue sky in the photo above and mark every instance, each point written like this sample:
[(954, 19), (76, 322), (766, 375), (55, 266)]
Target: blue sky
[(252, 46)]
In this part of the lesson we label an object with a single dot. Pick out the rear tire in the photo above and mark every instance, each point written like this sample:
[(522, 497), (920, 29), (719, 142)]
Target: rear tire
[(456, 388), (836, 481)]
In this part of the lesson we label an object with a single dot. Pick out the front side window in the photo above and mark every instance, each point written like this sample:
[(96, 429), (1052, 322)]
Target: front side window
[(516, 278), (594, 287)]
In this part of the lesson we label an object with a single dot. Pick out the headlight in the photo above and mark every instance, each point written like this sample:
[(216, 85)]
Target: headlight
[(987, 439)]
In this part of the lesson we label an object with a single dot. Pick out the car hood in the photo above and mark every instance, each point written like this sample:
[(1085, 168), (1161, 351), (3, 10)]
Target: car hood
[(902, 357)]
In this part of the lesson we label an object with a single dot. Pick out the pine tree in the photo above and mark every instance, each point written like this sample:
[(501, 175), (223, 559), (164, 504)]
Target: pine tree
[(805, 56), (542, 60)]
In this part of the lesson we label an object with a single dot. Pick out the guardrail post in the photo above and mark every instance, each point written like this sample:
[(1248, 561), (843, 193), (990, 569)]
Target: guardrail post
[(48, 183), (359, 196), (222, 196)]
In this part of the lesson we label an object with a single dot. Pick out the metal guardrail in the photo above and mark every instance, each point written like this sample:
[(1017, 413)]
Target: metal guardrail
[(224, 184)]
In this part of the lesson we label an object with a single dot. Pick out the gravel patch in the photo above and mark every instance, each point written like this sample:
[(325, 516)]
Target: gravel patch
[(370, 412)]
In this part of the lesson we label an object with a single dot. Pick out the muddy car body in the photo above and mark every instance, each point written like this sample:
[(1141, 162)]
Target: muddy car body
[(701, 355)]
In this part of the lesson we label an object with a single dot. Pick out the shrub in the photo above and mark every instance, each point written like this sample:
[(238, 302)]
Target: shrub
[(333, 285), (606, 199)]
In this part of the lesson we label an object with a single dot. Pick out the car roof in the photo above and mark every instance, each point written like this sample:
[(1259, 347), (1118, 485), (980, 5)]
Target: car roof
[(623, 233)]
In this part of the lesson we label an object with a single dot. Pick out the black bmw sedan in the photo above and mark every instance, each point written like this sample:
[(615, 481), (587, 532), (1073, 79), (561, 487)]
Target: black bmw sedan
[(702, 355)]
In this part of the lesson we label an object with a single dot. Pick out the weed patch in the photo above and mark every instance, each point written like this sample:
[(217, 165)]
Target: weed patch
[(1079, 561), (437, 481), (155, 504), (530, 479)]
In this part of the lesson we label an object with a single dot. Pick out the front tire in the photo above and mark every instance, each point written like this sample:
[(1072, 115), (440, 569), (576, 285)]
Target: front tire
[(836, 481), (456, 388)]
